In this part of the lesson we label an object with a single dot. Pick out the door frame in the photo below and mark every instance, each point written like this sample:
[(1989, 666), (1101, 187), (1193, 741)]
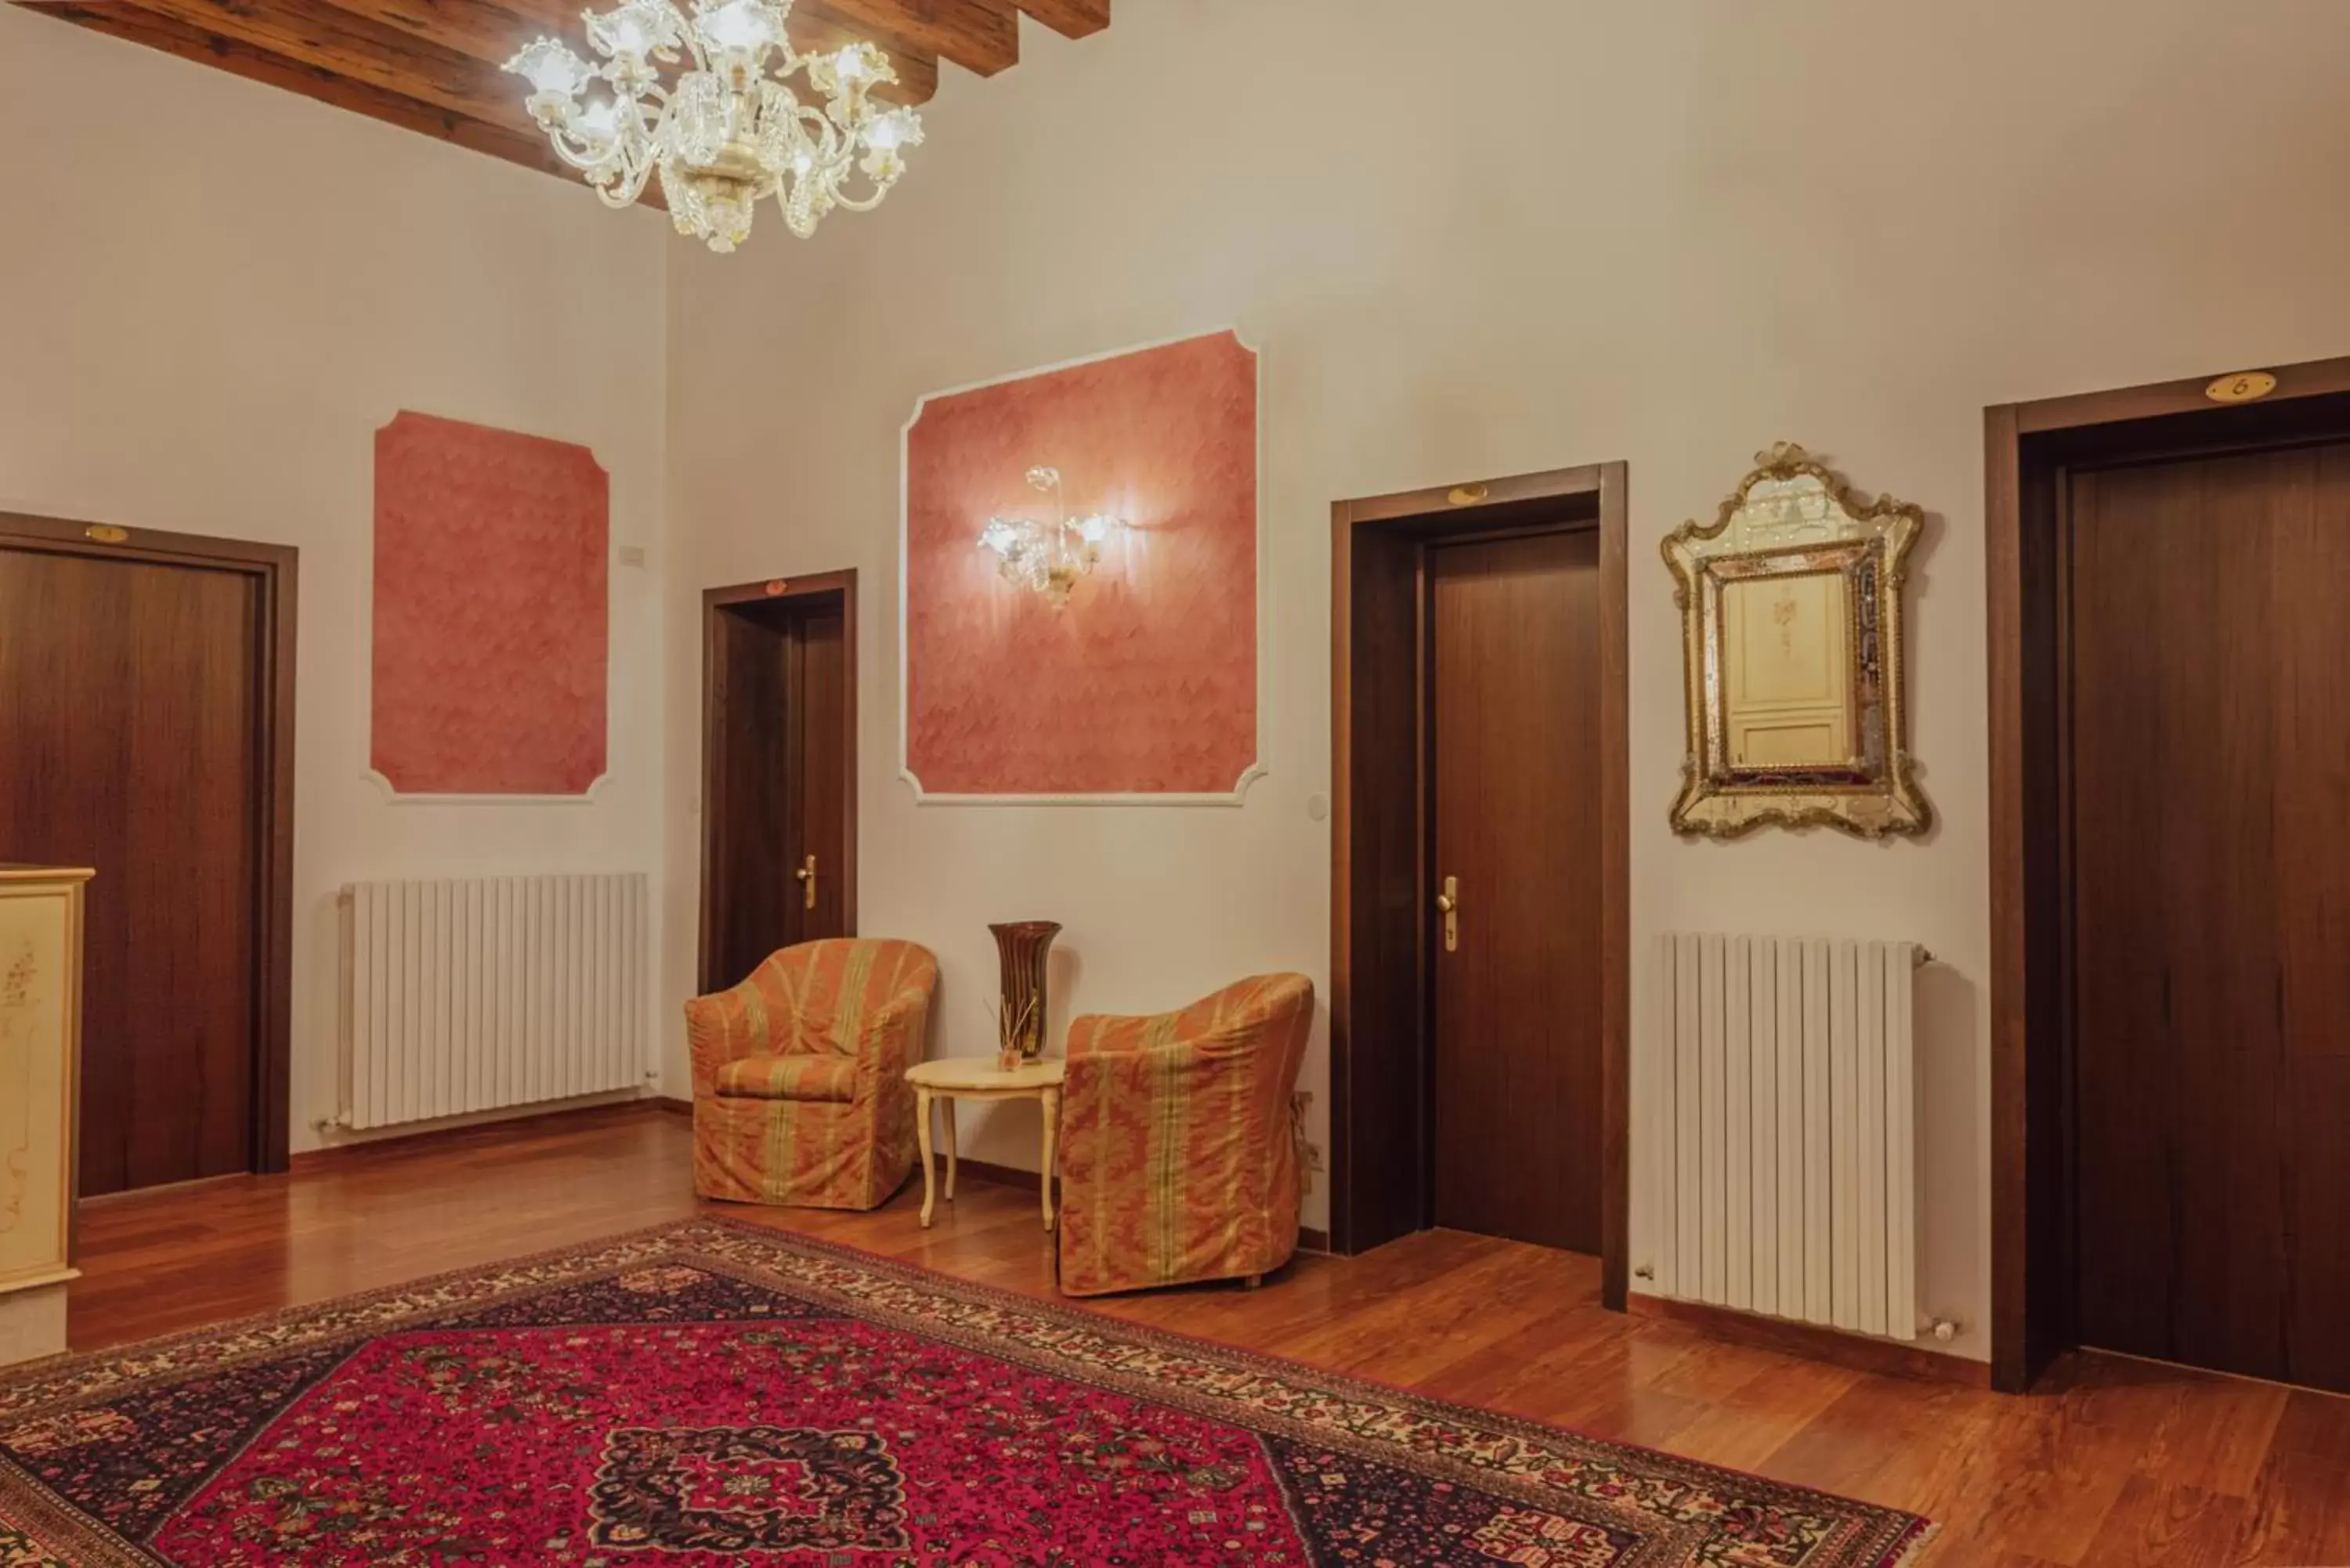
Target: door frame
[(840, 587), (1380, 989), (276, 569), (2028, 448)]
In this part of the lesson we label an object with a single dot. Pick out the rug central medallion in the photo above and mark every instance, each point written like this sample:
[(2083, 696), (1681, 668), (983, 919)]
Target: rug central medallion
[(748, 1488)]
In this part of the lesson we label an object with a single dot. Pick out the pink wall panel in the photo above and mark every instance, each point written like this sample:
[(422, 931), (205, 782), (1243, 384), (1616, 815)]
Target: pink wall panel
[(1145, 683), (491, 620)]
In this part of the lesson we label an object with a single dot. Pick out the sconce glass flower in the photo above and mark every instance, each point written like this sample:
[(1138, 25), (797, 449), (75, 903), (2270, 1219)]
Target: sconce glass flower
[(1047, 557)]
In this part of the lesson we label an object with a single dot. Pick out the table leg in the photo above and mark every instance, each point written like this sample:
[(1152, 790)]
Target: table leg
[(922, 1137), (947, 1125), (1052, 1099)]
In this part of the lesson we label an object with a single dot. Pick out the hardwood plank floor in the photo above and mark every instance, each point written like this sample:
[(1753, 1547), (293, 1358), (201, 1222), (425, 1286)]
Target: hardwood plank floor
[(2119, 1462)]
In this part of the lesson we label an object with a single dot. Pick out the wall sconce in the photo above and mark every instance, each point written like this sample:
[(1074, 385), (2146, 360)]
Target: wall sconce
[(1047, 557)]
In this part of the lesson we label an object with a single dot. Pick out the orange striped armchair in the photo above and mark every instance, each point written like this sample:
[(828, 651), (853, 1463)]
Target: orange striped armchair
[(1178, 1161), (799, 1076)]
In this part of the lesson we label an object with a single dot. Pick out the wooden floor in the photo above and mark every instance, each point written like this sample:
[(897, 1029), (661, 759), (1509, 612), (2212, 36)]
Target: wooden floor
[(2121, 1463)]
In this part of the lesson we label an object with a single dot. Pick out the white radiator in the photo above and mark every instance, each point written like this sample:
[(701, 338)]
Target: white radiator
[(1782, 1116), (507, 990)]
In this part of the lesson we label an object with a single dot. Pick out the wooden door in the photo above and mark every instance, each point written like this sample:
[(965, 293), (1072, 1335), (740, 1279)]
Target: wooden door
[(2209, 882), (1514, 730), (131, 743), (779, 711)]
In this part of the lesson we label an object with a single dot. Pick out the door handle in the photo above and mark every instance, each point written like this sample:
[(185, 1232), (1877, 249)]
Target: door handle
[(1448, 903), (807, 874)]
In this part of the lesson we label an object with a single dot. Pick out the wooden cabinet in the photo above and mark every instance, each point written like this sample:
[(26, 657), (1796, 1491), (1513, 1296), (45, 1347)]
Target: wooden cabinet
[(40, 1048)]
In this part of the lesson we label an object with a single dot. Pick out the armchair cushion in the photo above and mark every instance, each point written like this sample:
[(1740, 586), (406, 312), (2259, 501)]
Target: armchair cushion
[(789, 1078)]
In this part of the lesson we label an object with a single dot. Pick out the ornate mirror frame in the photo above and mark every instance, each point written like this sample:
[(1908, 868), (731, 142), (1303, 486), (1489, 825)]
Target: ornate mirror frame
[(1795, 518)]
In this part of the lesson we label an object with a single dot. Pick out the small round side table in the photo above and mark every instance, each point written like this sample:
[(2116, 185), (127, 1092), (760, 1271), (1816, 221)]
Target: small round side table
[(979, 1078)]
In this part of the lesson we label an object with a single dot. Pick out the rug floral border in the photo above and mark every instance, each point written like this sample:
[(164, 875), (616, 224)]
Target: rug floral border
[(1672, 1503)]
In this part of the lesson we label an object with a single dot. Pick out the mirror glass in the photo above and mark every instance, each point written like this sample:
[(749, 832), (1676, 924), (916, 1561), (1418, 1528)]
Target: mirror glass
[(1787, 672)]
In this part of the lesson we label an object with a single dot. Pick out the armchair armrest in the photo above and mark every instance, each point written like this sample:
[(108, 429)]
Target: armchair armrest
[(1130, 1060), (1229, 1032), (889, 1036), (734, 1023), (1135, 1074), (1224, 1040), (1098, 1034)]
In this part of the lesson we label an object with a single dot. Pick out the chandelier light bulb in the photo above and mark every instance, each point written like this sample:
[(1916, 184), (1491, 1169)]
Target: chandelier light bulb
[(744, 25), (724, 111), (553, 69)]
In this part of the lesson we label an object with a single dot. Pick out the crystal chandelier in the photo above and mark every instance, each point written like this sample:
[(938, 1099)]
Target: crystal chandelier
[(732, 126), (1048, 558)]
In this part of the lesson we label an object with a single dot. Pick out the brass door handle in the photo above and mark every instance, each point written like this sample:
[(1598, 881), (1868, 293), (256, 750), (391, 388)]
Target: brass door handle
[(807, 874), (1448, 903)]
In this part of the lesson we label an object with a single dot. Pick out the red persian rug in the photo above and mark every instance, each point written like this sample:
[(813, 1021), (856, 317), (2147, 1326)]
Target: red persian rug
[(714, 1394)]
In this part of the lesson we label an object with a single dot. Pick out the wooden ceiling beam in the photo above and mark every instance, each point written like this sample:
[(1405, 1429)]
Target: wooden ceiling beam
[(491, 31), (1070, 18), (158, 32), (117, 20), (437, 66), (980, 35), (480, 31), (350, 47)]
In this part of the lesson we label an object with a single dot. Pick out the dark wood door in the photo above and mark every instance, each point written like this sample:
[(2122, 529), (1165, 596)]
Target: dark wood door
[(2209, 774), (818, 722), (779, 709), (131, 743), (1514, 719)]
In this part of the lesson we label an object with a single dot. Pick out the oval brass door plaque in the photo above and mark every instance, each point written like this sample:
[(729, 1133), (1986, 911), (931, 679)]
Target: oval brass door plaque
[(106, 534), (2245, 387)]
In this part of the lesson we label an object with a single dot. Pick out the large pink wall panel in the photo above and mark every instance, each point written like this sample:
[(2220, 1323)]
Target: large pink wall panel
[(1146, 683), (492, 626)]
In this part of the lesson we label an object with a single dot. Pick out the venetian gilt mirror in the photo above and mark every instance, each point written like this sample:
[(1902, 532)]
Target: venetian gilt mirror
[(1794, 640)]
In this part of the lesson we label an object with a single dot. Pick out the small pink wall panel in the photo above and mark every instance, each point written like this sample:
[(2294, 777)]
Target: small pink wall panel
[(1145, 683), (491, 620)]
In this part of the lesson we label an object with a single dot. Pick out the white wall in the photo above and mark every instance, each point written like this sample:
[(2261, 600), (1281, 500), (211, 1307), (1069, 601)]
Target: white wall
[(215, 293), (1551, 232)]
